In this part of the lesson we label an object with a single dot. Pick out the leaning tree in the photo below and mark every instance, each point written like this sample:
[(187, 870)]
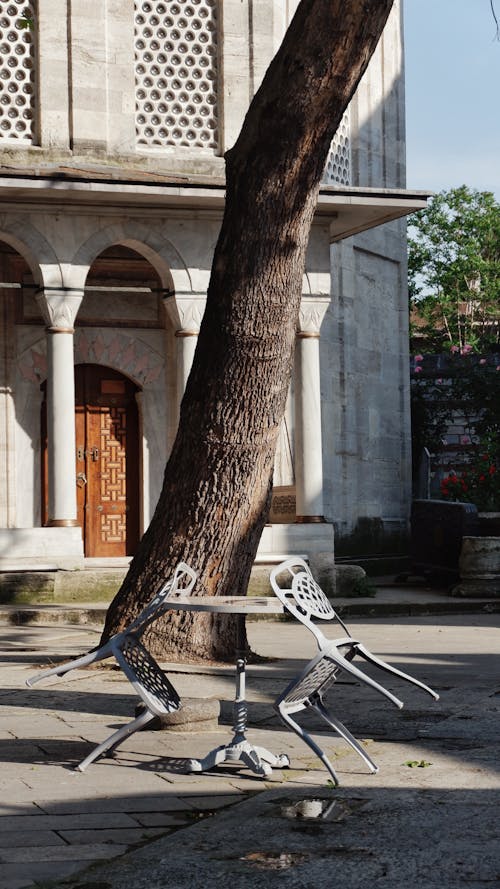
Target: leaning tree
[(217, 484)]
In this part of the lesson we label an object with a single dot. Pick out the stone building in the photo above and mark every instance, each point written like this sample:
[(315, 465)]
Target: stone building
[(114, 117)]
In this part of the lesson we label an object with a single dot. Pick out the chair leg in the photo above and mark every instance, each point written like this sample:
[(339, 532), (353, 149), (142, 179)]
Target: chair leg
[(309, 741), (373, 659), (344, 733), (116, 738), (82, 661), (350, 668)]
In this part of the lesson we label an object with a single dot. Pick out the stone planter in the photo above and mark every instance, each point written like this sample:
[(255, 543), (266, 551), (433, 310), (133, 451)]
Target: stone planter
[(479, 567)]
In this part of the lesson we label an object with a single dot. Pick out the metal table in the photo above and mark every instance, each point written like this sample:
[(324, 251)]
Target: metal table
[(258, 759)]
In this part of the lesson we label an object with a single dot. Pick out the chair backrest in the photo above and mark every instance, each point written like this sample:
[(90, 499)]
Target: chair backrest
[(295, 586), (182, 581)]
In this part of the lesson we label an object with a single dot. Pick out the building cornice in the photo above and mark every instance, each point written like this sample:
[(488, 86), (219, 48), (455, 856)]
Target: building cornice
[(348, 210)]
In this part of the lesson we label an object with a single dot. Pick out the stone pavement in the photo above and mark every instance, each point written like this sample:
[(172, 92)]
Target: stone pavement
[(428, 818)]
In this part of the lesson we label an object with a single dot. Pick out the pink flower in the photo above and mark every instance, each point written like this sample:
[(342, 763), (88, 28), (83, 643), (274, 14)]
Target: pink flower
[(497, 367), (482, 361), (419, 357), (439, 382), (465, 439), (454, 349), (418, 370), (466, 349)]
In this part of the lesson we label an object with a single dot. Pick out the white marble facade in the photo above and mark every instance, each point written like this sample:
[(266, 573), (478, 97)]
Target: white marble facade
[(129, 113)]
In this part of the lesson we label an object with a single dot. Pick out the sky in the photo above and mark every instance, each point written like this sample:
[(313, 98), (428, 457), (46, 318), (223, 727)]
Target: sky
[(452, 94)]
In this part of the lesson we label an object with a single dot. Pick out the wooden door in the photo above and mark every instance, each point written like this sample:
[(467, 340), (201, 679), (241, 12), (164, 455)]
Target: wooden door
[(107, 461)]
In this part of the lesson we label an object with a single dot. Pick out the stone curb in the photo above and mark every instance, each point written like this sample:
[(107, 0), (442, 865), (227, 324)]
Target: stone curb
[(93, 614)]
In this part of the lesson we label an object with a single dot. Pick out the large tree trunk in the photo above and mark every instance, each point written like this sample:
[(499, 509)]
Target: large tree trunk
[(217, 485)]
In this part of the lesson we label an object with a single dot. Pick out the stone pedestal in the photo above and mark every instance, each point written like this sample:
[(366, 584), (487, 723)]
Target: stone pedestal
[(195, 715), (479, 567)]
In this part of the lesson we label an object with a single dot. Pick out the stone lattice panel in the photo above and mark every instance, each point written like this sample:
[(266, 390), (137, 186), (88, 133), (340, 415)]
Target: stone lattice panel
[(176, 73), (17, 72), (338, 165)]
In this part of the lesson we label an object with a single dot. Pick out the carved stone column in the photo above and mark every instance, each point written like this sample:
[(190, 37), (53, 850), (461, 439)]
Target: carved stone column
[(308, 444), (185, 313), (59, 308), (7, 402)]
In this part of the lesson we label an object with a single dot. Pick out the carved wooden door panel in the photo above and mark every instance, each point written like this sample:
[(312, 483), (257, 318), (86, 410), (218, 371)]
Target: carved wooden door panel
[(107, 450)]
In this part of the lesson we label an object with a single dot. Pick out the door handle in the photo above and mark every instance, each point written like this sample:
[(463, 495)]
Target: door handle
[(81, 479)]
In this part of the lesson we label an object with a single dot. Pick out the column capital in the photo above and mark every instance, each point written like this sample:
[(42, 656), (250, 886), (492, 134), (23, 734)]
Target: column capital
[(185, 312), (59, 307), (311, 314)]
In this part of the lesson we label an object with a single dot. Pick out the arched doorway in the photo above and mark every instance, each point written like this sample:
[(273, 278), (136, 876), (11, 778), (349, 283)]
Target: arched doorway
[(107, 461)]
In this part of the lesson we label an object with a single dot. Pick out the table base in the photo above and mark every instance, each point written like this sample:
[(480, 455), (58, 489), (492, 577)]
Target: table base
[(258, 759)]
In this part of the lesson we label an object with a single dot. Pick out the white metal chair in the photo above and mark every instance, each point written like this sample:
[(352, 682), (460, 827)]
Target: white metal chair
[(306, 691), (140, 668), (295, 586)]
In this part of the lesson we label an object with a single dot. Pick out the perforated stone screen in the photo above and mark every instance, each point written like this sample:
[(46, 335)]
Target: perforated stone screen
[(338, 165), (176, 73), (17, 72)]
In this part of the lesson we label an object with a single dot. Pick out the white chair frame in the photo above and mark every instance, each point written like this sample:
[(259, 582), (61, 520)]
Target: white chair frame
[(294, 584), (138, 665)]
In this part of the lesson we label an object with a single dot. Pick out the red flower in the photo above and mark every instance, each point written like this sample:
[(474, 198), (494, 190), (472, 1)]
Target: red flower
[(492, 470)]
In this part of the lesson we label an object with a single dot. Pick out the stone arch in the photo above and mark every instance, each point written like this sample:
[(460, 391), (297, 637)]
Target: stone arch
[(138, 236), (134, 358), (35, 249)]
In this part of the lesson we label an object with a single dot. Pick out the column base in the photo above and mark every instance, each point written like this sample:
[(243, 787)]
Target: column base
[(62, 523), (309, 519)]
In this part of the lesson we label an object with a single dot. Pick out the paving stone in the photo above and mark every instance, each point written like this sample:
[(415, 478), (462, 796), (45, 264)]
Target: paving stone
[(91, 852), (64, 822), (129, 795), (21, 806), (162, 819), (163, 803), (17, 876), (212, 802), (11, 840), (14, 883), (128, 836), (40, 726)]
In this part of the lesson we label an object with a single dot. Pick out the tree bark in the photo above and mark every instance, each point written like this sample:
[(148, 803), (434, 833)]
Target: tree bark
[(218, 480)]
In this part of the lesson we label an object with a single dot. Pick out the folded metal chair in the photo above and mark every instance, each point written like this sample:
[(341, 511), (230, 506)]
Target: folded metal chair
[(140, 668), (295, 586)]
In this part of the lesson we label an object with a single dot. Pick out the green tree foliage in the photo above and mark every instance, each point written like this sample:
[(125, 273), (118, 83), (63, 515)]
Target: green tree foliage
[(466, 392), (454, 271)]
